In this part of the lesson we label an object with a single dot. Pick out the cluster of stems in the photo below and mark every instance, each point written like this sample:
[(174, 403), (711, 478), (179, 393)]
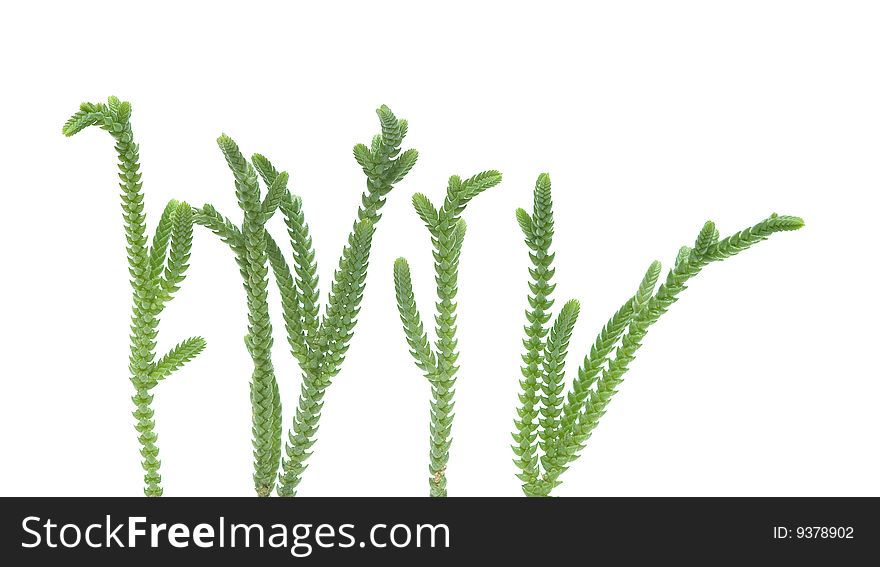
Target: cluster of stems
[(317, 341), (552, 427), (553, 423)]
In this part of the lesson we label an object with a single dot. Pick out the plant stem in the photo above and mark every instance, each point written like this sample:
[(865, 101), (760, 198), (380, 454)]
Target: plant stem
[(447, 232), (151, 288)]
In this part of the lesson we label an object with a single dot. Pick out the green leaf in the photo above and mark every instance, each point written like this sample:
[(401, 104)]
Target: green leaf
[(707, 237), (305, 265), (276, 192), (177, 357), (475, 185), (181, 248), (363, 156), (161, 238), (525, 222), (81, 120), (123, 112), (403, 164), (392, 132), (290, 302), (684, 253), (265, 168), (426, 211), (413, 328), (553, 383), (459, 193), (247, 190)]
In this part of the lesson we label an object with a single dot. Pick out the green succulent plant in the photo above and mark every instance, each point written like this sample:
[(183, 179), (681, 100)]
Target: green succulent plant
[(156, 271), (438, 363), (553, 422), (249, 244), (317, 340), (552, 426)]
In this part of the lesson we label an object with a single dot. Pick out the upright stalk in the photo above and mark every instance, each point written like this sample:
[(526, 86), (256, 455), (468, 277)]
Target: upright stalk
[(155, 274), (249, 244), (447, 231)]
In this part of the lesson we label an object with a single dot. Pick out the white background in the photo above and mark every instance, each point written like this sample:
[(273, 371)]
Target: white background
[(651, 118)]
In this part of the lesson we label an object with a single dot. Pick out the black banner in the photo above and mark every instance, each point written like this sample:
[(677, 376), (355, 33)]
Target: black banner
[(132, 531)]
